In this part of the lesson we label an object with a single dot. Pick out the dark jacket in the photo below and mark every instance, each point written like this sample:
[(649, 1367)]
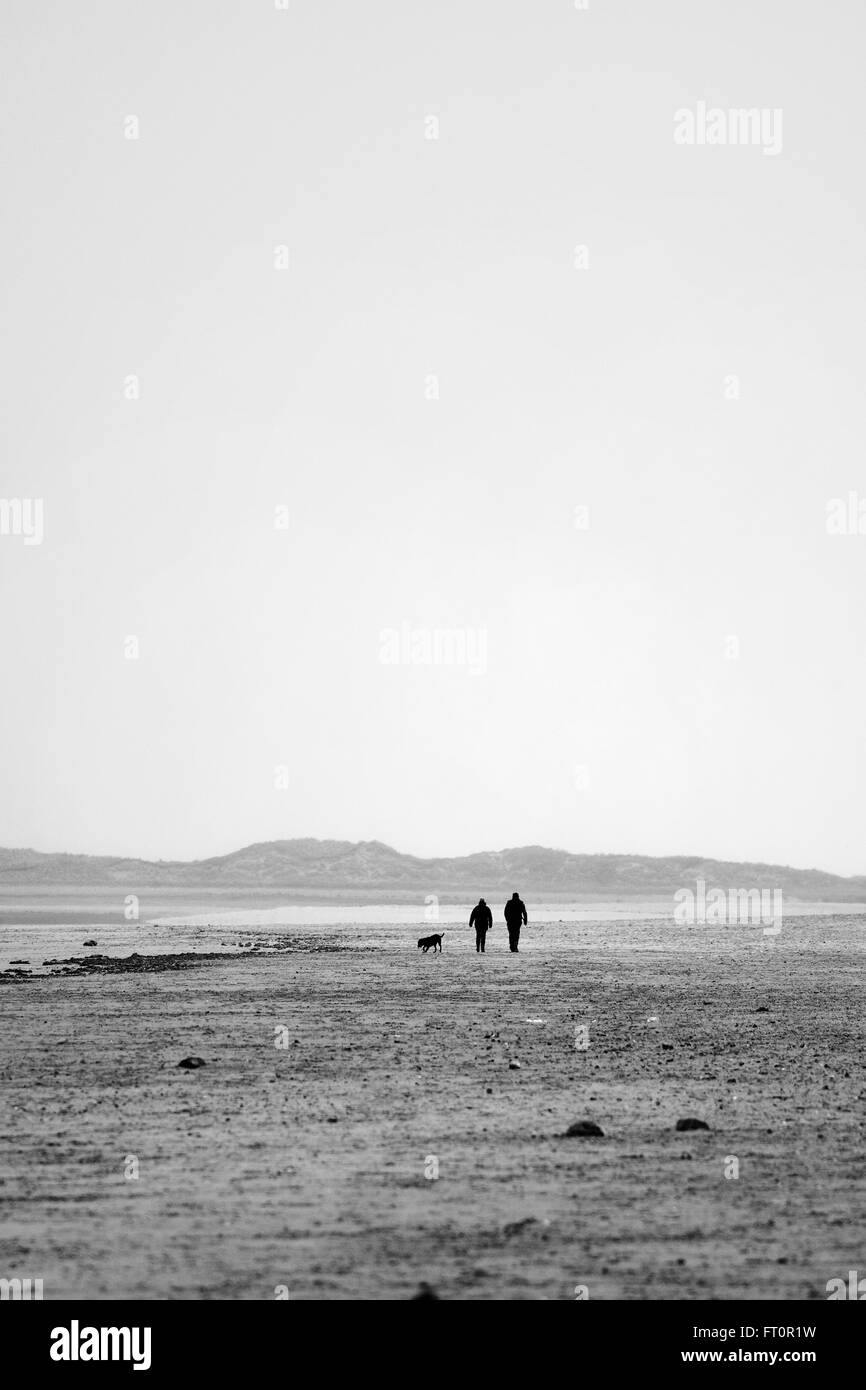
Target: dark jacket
[(482, 917), (515, 912)]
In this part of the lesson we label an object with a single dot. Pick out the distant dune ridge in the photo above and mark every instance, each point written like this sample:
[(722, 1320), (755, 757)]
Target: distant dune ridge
[(369, 865)]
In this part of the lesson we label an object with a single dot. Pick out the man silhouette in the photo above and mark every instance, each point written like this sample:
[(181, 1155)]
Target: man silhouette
[(515, 917), (482, 921)]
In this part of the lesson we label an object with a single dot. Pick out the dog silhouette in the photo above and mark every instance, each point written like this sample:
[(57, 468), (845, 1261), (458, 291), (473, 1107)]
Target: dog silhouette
[(425, 942)]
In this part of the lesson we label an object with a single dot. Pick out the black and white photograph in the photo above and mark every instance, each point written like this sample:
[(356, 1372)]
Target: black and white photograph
[(433, 701)]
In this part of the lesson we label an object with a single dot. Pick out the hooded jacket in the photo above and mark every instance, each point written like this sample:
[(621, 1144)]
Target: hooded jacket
[(482, 917)]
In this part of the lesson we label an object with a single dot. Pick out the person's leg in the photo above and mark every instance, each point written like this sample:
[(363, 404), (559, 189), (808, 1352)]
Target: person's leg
[(516, 938)]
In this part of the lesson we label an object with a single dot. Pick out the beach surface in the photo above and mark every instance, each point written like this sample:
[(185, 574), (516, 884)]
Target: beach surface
[(370, 1119)]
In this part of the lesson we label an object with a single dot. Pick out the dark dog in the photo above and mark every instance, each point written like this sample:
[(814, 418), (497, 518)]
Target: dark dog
[(425, 942)]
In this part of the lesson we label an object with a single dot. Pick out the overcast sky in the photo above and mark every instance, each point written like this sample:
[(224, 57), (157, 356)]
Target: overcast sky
[(604, 471)]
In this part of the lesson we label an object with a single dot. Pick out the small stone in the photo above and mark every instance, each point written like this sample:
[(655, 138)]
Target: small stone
[(91, 942), (514, 1066), (584, 1129), (691, 1123), (191, 1063), (515, 1227)]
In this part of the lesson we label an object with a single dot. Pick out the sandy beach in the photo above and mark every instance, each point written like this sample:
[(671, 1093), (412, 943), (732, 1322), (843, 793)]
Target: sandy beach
[(309, 1167)]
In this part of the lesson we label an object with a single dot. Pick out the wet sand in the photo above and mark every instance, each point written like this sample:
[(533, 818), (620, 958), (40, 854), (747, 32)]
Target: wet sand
[(306, 1166)]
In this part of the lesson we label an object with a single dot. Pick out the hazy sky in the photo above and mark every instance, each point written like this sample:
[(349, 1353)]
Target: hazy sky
[(431, 388)]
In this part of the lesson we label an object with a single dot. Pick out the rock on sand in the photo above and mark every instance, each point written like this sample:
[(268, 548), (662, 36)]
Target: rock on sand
[(584, 1129)]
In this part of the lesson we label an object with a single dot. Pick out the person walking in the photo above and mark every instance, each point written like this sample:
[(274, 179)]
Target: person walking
[(482, 920), (515, 918)]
